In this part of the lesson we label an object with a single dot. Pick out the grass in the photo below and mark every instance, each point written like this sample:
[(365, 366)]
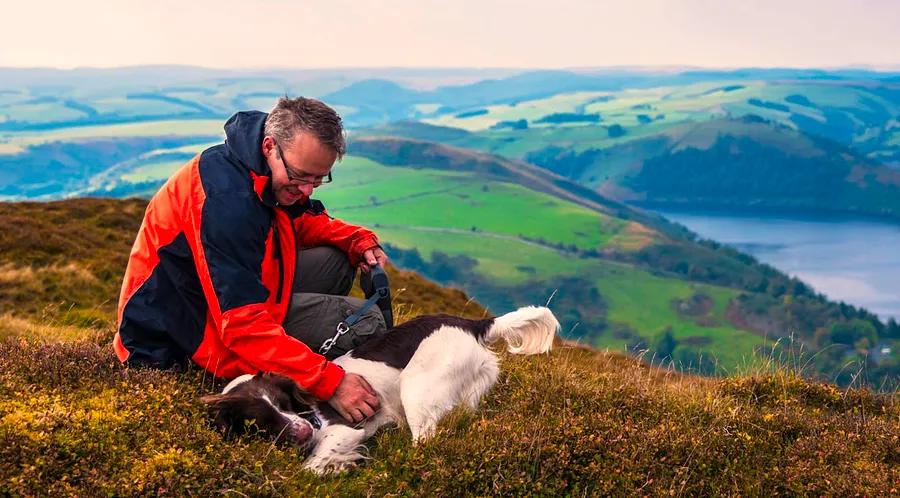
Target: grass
[(451, 200), (576, 421), (636, 299), (645, 303), (530, 110), (498, 258)]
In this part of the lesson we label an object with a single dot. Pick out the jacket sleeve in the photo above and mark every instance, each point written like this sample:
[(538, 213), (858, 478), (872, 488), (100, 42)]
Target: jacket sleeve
[(316, 229), (231, 233)]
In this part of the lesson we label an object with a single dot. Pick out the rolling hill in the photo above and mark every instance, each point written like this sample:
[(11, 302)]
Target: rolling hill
[(804, 145)]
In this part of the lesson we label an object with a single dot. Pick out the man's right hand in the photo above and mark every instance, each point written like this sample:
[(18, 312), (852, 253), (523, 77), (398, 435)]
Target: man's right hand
[(354, 398)]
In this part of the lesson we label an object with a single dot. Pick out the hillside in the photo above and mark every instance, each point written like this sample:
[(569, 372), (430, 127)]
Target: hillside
[(744, 165), (576, 421), (619, 278), (513, 234), (773, 144)]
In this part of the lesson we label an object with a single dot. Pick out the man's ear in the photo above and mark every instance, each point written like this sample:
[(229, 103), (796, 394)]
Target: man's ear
[(267, 145)]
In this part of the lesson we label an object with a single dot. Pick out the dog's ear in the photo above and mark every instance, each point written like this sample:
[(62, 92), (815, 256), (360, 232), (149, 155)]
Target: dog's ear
[(220, 408), (213, 399)]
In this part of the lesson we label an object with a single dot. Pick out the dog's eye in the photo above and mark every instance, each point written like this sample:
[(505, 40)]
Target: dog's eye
[(283, 404)]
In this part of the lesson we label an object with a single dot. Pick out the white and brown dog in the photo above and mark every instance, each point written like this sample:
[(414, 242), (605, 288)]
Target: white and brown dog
[(420, 370)]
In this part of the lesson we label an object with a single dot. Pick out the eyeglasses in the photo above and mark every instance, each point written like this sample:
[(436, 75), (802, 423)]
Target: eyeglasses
[(301, 179)]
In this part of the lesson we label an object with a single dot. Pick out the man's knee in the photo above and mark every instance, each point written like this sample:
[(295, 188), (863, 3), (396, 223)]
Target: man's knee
[(313, 319), (324, 270)]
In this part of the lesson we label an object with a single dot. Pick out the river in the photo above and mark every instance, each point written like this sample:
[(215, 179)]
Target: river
[(851, 260)]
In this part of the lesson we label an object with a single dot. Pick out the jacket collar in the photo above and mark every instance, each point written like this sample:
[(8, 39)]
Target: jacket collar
[(244, 133)]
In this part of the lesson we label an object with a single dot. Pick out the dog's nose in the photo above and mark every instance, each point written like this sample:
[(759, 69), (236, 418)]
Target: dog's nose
[(299, 433)]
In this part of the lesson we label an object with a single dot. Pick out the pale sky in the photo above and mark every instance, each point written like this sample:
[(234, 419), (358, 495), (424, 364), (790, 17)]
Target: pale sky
[(450, 33)]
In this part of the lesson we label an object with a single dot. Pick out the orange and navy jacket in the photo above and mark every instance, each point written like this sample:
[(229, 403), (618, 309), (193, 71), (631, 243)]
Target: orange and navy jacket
[(211, 273)]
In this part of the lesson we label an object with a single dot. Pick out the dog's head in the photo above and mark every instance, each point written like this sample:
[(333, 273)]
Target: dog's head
[(267, 404)]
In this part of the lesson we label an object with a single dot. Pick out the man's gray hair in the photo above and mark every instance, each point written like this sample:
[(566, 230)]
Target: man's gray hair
[(291, 116)]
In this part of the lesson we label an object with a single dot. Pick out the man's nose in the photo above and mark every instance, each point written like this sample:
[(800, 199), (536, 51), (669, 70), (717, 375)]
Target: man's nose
[(306, 189)]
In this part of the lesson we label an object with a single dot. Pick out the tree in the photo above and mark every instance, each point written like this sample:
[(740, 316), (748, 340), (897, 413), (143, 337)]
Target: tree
[(892, 330), (852, 331), (666, 344)]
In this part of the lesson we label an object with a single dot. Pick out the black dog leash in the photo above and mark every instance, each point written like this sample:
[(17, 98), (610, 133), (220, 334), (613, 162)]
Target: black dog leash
[(382, 296)]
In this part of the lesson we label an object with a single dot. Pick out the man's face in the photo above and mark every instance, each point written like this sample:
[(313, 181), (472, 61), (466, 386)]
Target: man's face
[(308, 160)]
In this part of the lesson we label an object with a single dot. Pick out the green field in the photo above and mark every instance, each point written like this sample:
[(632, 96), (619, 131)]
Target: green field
[(152, 171), (848, 113), (433, 210), (641, 301), (15, 142), (645, 302), (157, 165), (452, 200)]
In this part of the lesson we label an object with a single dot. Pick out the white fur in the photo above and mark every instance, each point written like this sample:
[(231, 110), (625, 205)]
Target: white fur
[(236, 382), (450, 368), (528, 330), (293, 417)]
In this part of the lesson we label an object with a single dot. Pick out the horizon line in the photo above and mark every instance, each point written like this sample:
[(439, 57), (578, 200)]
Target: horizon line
[(880, 68)]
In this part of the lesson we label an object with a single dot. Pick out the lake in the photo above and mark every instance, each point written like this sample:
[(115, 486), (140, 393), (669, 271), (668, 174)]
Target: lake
[(851, 260)]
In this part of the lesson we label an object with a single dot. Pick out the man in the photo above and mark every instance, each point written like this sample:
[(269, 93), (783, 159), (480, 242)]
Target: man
[(214, 276)]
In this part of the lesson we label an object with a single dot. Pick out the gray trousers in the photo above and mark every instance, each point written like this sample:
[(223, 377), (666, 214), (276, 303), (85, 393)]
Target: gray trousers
[(319, 302)]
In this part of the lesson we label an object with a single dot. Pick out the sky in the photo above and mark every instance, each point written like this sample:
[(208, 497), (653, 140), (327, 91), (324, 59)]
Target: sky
[(450, 33)]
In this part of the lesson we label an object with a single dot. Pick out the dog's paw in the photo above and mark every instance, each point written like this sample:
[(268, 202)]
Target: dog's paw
[(324, 466)]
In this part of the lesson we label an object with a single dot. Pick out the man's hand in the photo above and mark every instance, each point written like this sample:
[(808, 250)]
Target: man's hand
[(354, 399), (372, 257)]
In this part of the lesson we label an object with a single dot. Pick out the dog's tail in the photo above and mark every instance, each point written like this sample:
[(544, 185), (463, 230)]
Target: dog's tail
[(528, 330)]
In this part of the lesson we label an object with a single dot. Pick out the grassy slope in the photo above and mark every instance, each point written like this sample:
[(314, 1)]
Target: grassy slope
[(436, 210), (576, 421)]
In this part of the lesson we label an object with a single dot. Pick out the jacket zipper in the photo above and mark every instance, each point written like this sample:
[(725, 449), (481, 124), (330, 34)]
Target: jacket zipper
[(276, 241)]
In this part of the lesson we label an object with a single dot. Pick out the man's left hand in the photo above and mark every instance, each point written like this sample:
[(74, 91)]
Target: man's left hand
[(372, 257)]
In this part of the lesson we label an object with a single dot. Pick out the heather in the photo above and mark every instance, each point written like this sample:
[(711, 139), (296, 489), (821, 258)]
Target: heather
[(576, 421)]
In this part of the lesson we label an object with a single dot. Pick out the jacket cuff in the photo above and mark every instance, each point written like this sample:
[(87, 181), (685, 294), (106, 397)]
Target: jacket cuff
[(328, 382), (360, 247)]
